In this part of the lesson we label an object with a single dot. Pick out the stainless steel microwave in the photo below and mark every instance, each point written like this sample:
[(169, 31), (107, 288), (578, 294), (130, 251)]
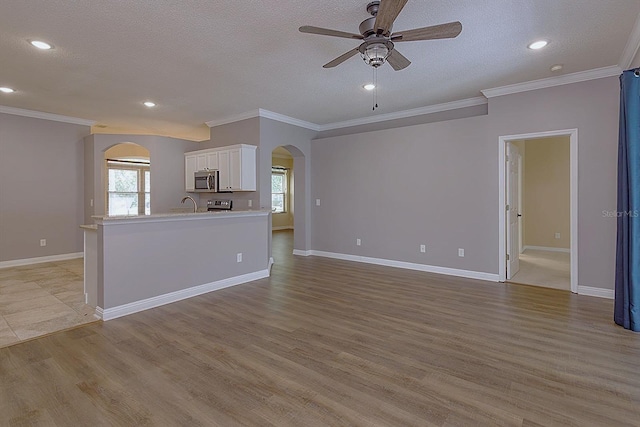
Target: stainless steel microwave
[(206, 181)]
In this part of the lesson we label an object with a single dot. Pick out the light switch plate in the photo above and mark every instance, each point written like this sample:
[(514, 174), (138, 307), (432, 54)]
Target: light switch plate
[(317, 202)]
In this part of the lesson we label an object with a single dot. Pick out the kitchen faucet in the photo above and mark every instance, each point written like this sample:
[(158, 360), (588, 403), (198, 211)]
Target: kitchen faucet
[(195, 205)]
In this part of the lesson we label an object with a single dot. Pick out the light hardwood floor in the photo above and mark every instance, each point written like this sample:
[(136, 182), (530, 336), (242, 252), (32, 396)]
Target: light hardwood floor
[(38, 299), (329, 342)]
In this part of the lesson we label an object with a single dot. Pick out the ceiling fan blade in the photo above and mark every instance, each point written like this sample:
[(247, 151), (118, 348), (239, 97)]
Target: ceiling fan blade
[(442, 31), (327, 32), (340, 59), (397, 60), (388, 11)]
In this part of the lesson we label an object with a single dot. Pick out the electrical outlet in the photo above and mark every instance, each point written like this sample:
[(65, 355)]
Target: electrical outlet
[(43, 242), (557, 235), (460, 252), (91, 202), (423, 248), (358, 242), (239, 257), (250, 203), (317, 202)]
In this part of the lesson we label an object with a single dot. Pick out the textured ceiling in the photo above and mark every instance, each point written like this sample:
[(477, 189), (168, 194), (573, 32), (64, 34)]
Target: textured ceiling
[(203, 60)]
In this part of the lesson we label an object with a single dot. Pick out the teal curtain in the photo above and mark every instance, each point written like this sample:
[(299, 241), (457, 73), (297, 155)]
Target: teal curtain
[(627, 300)]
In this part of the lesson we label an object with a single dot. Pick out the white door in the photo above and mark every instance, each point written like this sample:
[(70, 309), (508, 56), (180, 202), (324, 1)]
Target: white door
[(513, 198)]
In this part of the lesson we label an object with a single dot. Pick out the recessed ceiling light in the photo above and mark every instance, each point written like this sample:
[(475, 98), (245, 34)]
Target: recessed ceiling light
[(40, 44), (6, 90), (369, 86), (149, 104), (538, 44), (556, 67)]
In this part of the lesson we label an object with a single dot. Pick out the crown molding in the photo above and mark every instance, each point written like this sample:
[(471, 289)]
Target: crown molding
[(46, 116), (286, 119), (430, 109), (581, 76), (631, 48), (265, 114), (234, 118)]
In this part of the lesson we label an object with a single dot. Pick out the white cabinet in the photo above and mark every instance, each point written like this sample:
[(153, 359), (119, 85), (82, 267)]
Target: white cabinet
[(237, 166), (201, 161), (236, 163), (190, 167), (212, 160), (223, 167)]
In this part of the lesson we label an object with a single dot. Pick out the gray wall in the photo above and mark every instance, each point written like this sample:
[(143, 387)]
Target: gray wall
[(167, 169), (41, 187), (437, 183), (399, 188)]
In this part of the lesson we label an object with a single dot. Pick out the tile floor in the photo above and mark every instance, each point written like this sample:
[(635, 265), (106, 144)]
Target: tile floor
[(544, 268), (41, 298)]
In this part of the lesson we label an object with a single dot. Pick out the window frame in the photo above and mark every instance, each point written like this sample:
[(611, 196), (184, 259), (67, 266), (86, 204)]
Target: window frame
[(141, 167), (284, 172)]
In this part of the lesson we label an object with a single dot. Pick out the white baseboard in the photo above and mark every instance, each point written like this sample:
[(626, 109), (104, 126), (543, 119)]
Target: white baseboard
[(39, 260), (282, 227), (596, 292), (546, 248), (409, 265), (145, 304), (300, 252), (271, 262)]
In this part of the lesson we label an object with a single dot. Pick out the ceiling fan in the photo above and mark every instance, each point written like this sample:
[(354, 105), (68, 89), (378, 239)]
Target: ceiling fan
[(378, 44)]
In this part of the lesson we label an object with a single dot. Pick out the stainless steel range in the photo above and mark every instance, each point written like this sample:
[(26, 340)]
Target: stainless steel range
[(219, 205)]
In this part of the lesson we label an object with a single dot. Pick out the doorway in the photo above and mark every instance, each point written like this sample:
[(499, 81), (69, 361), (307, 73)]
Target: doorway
[(542, 251), (282, 190)]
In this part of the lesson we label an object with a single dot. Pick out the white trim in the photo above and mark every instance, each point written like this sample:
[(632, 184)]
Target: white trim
[(596, 292), (580, 76), (409, 265), (430, 109), (145, 304), (300, 252), (234, 118), (289, 120), (546, 248), (46, 116), (267, 115), (282, 227), (631, 48), (39, 260), (573, 178), (271, 262)]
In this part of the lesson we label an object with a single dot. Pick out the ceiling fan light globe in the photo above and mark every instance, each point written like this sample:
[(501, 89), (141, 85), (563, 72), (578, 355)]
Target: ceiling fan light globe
[(375, 54)]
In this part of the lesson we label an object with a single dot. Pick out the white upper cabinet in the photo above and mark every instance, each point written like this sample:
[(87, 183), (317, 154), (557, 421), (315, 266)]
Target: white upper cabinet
[(236, 163), (190, 167), (201, 161)]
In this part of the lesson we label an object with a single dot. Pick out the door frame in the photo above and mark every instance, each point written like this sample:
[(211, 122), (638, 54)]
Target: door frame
[(573, 178)]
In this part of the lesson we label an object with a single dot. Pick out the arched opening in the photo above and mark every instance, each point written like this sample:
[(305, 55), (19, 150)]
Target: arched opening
[(127, 178), (282, 189)]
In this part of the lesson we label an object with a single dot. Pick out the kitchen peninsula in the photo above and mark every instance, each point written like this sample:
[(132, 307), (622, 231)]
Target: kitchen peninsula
[(133, 263)]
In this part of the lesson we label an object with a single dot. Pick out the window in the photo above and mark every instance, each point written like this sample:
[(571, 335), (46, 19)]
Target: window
[(128, 187), (278, 190)]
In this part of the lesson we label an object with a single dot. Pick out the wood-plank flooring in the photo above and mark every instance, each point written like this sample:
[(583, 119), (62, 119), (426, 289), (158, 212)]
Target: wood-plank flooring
[(329, 342)]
